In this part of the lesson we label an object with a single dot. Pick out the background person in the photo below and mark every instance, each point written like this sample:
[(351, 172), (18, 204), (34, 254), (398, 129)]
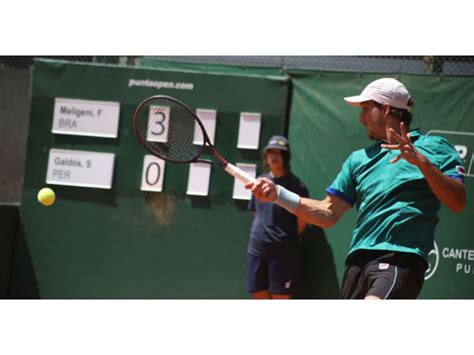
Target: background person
[(272, 248)]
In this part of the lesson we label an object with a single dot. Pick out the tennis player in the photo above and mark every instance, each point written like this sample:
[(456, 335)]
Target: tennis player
[(272, 247), (397, 184)]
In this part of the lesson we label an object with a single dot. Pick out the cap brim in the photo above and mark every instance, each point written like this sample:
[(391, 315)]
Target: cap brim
[(275, 146), (356, 100)]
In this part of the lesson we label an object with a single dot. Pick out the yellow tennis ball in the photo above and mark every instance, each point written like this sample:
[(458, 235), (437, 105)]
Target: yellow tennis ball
[(46, 196)]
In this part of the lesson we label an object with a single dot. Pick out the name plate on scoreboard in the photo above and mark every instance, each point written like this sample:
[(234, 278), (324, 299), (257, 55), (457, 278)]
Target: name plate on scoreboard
[(80, 168), (86, 117)]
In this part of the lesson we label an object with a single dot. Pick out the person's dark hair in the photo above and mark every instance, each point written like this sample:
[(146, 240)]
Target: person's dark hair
[(286, 155), (403, 115)]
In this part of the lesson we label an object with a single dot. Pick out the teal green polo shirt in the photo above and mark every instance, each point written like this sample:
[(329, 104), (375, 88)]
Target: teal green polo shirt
[(397, 209)]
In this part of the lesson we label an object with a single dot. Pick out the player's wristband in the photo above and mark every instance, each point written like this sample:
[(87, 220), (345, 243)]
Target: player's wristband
[(287, 199)]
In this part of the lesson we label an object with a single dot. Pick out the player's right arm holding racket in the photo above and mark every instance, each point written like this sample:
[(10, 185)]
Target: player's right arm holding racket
[(324, 213)]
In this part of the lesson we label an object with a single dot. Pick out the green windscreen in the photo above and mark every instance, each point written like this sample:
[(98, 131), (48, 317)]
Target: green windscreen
[(127, 243)]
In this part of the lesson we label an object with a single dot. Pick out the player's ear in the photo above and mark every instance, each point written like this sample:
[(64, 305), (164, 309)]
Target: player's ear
[(385, 110)]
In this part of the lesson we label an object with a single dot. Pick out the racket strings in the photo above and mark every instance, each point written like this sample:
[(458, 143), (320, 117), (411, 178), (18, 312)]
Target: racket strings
[(167, 129)]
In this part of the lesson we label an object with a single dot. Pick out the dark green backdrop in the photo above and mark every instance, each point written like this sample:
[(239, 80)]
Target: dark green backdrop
[(124, 243)]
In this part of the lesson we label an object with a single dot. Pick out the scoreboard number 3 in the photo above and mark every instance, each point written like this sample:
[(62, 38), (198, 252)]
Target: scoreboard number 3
[(158, 124)]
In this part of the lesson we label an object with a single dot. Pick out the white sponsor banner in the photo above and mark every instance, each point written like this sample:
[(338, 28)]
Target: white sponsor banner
[(80, 168), (86, 117)]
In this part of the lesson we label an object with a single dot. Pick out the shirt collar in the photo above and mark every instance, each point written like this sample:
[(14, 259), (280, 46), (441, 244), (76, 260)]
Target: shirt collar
[(414, 135)]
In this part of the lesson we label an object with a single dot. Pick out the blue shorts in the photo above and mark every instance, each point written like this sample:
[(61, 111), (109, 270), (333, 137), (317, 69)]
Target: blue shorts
[(274, 271)]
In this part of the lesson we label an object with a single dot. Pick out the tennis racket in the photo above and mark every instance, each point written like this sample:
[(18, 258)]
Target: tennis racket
[(166, 127)]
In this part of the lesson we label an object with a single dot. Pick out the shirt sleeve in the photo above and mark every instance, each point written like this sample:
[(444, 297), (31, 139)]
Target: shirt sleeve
[(343, 186), (447, 159)]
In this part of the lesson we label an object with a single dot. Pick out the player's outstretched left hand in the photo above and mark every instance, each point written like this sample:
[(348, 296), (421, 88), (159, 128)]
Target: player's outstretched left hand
[(406, 147)]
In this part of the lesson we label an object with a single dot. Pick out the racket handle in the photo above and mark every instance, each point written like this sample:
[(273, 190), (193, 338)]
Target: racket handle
[(238, 173)]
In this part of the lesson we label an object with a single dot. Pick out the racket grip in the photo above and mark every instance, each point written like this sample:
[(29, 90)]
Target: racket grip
[(238, 173)]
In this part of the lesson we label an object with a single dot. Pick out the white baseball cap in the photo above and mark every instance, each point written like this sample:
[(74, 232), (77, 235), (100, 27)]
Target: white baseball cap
[(384, 91)]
